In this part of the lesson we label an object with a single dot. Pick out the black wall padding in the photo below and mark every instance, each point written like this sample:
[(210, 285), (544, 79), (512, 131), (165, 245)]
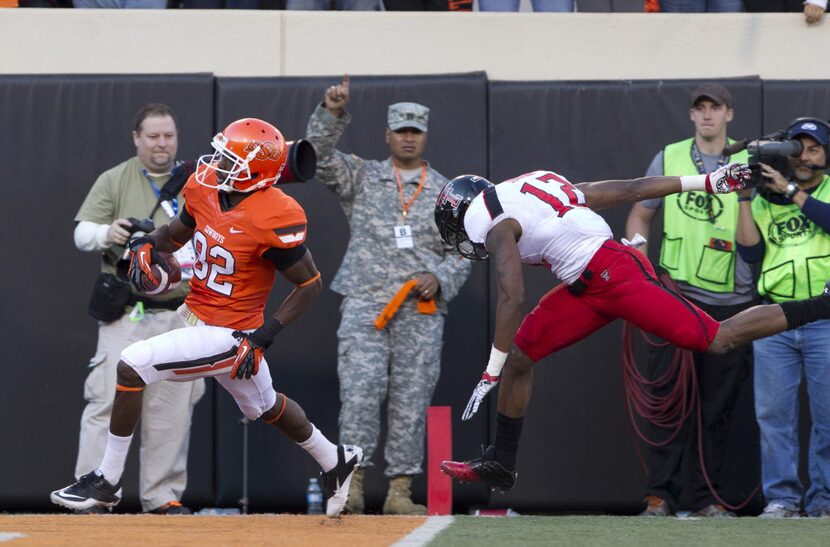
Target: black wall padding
[(304, 358), (577, 449), (62, 132), (787, 100)]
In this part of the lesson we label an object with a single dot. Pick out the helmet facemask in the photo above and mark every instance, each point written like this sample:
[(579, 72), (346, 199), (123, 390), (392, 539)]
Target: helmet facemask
[(235, 178), (250, 154)]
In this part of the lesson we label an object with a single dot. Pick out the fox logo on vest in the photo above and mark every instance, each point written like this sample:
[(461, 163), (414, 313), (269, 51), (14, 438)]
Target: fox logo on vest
[(791, 229), (700, 205)]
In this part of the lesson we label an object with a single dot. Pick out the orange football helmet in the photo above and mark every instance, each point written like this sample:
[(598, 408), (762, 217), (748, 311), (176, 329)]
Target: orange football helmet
[(250, 154)]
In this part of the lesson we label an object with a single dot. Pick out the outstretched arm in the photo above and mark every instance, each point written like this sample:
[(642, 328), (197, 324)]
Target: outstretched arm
[(609, 193)]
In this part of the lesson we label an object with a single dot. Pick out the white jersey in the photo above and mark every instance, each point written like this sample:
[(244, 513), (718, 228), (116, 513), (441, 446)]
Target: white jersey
[(558, 230)]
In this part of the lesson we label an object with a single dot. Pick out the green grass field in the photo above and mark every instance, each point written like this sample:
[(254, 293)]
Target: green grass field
[(642, 532)]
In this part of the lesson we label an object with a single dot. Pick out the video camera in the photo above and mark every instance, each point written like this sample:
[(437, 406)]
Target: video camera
[(774, 148)]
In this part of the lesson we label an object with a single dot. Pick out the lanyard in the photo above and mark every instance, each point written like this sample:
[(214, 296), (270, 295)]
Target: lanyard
[(157, 191), (701, 170), (406, 205), (698, 159)]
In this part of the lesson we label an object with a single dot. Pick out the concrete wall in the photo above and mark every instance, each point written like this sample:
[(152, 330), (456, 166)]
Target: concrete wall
[(518, 46)]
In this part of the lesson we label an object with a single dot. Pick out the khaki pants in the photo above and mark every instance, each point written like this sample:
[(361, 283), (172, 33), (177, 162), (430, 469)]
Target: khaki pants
[(165, 415)]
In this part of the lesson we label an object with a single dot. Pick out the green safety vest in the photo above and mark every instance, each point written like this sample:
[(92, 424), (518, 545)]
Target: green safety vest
[(797, 258), (698, 228)]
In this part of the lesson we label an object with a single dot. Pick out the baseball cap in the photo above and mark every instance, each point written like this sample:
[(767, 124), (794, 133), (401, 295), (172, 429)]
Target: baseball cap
[(403, 115), (811, 128), (712, 91)]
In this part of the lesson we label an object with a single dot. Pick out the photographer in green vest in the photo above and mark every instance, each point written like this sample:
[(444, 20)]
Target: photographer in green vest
[(786, 227), (698, 253)]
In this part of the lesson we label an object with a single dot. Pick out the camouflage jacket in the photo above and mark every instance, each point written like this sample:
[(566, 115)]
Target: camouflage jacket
[(374, 268)]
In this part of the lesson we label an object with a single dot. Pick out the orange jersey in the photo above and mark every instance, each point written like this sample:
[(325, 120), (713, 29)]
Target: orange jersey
[(231, 280)]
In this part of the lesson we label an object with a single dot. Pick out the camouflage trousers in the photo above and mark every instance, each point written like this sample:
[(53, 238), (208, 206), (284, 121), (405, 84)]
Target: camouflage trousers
[(399, 364)]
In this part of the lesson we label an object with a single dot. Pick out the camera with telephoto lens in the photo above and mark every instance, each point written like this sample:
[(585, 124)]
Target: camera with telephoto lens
[(774, 152), (775, 148), (138, 228), (772, 149)]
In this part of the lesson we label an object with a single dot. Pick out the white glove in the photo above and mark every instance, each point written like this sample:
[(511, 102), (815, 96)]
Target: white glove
[(728, 178), (636, 242), (484, 386)]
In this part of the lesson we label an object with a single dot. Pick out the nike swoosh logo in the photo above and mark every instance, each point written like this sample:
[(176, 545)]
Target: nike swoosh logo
[(235, 231), (65, 495), (244, 353)]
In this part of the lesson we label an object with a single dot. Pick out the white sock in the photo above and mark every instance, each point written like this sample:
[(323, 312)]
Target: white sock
[(116, 454), (321, 449)]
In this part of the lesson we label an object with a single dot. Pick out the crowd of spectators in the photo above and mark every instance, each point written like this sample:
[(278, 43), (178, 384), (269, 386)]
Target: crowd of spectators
[(813, 9)]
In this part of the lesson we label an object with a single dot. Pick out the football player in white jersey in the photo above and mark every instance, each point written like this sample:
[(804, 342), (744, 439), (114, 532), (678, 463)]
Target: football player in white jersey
[(541, 218)]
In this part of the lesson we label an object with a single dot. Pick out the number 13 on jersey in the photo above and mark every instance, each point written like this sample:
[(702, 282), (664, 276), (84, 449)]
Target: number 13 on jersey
[(556, 191)]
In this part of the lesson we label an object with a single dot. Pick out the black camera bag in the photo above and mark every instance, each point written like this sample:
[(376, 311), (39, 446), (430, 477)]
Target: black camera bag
[(109, 298)]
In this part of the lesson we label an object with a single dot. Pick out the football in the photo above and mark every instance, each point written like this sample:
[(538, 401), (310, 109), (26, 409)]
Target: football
[(167, 280)]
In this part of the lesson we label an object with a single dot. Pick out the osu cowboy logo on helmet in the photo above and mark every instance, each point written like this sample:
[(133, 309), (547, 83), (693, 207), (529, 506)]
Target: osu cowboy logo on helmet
[(250, 154)]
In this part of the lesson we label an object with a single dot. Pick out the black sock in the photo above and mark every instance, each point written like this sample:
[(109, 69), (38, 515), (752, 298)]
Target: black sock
[(801, 312), (508, 433)]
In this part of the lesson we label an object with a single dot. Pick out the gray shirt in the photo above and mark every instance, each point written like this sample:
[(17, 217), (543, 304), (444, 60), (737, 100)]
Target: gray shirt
[(744, 285)]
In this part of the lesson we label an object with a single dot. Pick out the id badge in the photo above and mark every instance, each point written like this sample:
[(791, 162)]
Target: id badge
[(403, 236)]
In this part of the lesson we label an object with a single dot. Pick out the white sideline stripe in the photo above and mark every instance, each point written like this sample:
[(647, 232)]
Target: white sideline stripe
[(424, 533), (8, 536)]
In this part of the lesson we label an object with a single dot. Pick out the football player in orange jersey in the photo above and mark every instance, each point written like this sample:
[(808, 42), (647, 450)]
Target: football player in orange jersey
[(244, 230)]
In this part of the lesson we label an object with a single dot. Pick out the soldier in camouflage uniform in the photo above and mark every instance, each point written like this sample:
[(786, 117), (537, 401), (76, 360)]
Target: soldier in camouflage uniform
[(394, 239)]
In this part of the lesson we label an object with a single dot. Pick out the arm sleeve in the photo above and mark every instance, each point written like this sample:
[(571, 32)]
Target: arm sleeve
[(99, 206), (817, 211), (90, 236), (452, 272), (336, 170), (820, 3), (186, 218), (752, 254), (284, 258)]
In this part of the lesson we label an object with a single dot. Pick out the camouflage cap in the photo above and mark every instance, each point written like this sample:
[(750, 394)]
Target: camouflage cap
[(403, 115)]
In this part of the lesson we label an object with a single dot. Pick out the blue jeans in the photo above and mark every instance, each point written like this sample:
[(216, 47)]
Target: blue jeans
[(780, 362), (538, 5), (701, 6)]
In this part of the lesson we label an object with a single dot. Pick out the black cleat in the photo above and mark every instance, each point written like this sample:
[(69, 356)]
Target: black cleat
[(484, 469), (827, 289), (91, 490), (335, 483)]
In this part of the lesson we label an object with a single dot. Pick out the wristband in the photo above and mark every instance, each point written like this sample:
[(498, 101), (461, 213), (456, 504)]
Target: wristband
[(266, 333), (496, 362), (744, 198), (692, 182)]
